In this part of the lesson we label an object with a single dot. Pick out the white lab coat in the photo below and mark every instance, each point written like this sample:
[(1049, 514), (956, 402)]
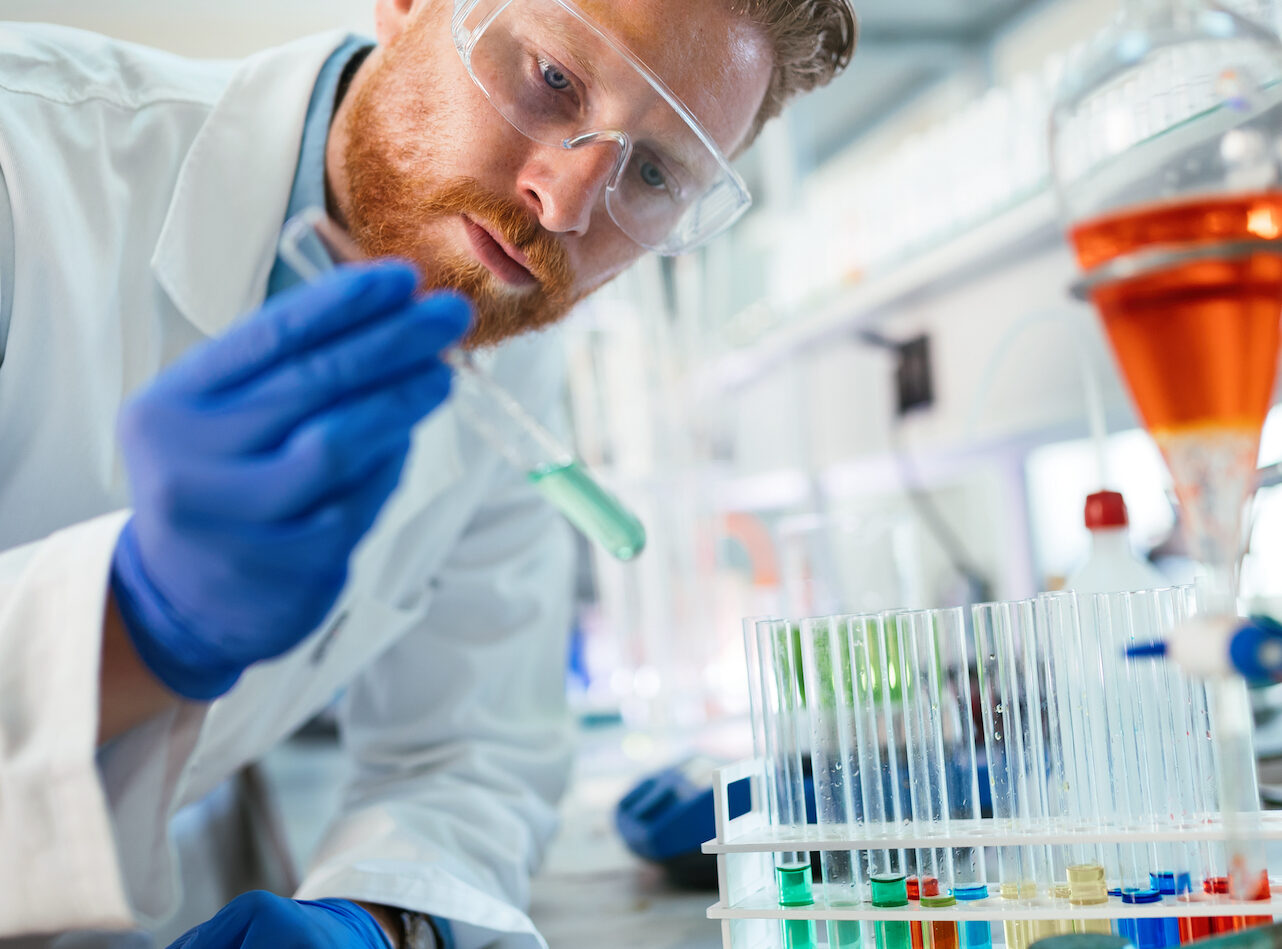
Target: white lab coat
[(147, 193)]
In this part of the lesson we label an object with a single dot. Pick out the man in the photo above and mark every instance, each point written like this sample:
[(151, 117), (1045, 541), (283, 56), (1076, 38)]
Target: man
[(289, 508)]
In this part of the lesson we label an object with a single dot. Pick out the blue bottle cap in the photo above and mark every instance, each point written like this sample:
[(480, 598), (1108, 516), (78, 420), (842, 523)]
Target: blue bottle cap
[(1256, 649)]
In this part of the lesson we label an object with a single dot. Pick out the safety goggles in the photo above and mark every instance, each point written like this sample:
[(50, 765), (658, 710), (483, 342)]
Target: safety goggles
[(560, 80)]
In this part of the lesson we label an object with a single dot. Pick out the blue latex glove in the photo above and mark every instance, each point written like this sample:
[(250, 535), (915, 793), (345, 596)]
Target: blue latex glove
[(260, 459), (259, 920)]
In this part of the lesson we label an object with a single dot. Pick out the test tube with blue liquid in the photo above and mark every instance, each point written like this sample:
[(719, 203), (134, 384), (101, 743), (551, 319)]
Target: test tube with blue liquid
[(311, 244), (949, 646), (779, 648), (830, 701)]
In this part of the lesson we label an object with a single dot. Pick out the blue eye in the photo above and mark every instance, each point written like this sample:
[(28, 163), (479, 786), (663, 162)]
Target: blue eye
[(652, 175), (553, 76)]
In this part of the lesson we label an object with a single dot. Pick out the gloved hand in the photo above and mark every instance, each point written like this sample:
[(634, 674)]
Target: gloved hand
[(260, 459), (260, 920)]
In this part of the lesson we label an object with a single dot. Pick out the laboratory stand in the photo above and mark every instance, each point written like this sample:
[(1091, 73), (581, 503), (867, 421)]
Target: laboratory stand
[(1001, 775)]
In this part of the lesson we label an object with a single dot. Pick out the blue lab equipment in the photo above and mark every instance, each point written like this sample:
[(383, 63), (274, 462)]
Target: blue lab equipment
[(259, 920), (974, 935), (260, 459), (669, 815), (1148, 933), (1253, 649)]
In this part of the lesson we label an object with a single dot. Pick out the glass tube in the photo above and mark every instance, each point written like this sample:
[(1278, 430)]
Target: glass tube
[(830, 701), (995, 650), (1115, 616), (949, 644), (783, 703), (1056, 751), (1062, 623), (890, 890), (872, 737), (923, 703), (312, 244), (1097, 798)]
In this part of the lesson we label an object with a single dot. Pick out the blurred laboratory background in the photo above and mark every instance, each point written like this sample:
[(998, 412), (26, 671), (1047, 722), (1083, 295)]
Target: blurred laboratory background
[(874, 392)]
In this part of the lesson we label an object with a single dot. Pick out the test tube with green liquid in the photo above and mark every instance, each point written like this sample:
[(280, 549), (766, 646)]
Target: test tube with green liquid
[(784, 703), (890, 890), (830, 702), (311, 244)]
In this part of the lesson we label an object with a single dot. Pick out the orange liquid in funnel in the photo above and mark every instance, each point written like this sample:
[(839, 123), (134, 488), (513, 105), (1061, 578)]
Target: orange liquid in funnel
[(1197, 342)]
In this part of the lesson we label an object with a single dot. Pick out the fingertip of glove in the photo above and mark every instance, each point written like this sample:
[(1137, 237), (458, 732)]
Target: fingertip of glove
[(450, 308), (397, 277)]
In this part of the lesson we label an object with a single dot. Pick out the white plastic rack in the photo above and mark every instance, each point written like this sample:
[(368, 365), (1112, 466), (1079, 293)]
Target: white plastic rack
[(749, 910)]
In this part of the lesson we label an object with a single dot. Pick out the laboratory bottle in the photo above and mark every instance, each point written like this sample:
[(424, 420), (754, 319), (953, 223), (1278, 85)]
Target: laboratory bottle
[(1112, 566)]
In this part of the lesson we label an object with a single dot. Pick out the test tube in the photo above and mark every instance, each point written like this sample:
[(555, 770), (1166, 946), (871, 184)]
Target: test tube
[(830, 701), (784, 705), (1146, 932), (1087, 884), (1235, 766), (1173, 876), (925, 703), (995, 650), (311, 244), (951, 656), (873, 739), (890, 890), (1116, 615), (878, 776), (1057, 753)]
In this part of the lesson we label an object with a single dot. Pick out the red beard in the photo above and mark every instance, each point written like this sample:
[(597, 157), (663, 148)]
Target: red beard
[(388, 208)]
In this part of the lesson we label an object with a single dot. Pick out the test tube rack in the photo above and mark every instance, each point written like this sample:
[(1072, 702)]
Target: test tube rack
[(749, 910)]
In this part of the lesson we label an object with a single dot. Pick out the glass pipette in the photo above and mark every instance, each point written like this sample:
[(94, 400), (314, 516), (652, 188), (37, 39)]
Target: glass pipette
[(311, 244)]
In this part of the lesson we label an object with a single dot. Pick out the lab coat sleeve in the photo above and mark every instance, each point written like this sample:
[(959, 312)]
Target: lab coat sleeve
[(461, 736), (58, 863)]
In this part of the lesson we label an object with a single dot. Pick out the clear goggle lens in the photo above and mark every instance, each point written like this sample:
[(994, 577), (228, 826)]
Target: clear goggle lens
[(560, 80)]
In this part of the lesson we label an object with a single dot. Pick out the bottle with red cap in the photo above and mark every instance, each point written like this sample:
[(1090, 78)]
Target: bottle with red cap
[(1112, 566)]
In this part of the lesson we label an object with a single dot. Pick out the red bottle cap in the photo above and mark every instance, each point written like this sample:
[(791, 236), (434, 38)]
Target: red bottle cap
[(1105, 509)]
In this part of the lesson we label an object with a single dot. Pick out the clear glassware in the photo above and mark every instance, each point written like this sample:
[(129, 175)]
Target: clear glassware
[(1166, 149)]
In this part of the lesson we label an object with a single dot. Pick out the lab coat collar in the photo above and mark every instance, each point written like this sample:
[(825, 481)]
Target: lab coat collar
[(218, 241)]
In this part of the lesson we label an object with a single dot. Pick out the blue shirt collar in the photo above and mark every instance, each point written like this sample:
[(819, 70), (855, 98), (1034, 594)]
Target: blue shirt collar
[(308, 189)]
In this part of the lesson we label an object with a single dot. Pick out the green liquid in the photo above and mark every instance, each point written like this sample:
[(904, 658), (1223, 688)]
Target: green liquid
[(794, 884), (844, 934), (893, 936), (891, 889), (797, 934), (590, 508)]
